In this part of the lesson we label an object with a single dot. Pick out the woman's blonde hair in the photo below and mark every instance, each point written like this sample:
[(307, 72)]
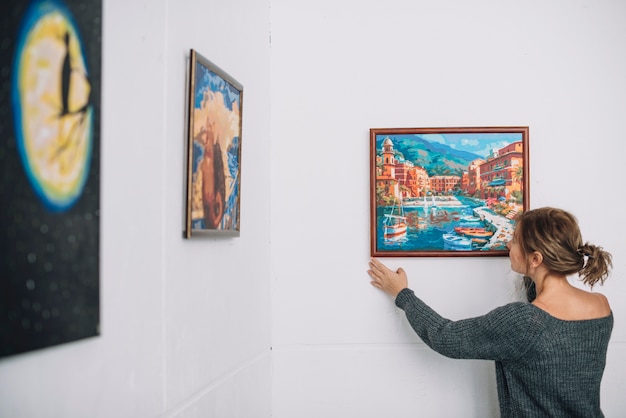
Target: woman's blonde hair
[(555, 234)]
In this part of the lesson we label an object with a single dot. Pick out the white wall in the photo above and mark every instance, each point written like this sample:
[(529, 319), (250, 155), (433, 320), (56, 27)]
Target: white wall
[(340, 347), (185, 323), (218, 313)]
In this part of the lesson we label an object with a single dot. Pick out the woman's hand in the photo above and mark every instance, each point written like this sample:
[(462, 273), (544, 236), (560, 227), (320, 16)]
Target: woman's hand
[(391, 282)]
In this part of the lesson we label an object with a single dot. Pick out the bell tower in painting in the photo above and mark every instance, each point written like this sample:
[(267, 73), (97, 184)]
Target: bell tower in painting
[(389, 161)]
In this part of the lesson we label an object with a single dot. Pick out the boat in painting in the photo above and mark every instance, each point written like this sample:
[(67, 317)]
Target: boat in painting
[(394, 224), (456, 242), (482, 233), (471, 220), (479, 242)]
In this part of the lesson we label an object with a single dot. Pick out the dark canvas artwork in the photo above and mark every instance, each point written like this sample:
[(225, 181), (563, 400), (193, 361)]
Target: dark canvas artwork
[(50, 172)]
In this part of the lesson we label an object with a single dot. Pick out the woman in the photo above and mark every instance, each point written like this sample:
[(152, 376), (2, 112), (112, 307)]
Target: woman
[(550, 354)]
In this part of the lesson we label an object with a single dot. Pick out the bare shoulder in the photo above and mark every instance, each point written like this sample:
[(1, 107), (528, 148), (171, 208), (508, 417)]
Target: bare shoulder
[(596, 305), (603, 303), (576, 305)]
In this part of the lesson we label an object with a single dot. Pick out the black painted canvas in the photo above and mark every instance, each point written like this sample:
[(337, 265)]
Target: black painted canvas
[(50, 72)]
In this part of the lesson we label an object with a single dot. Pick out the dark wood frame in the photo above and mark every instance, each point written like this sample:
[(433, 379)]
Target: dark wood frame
[(229, 199), (505, 180)]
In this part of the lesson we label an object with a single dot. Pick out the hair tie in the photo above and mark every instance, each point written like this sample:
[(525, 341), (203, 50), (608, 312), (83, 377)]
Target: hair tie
[(582, 253)]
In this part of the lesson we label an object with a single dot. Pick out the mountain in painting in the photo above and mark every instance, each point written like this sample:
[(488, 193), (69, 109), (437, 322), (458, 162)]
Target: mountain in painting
[(436, 158)]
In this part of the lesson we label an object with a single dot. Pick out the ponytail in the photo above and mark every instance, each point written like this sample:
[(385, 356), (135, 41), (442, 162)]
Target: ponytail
[(596, 264)]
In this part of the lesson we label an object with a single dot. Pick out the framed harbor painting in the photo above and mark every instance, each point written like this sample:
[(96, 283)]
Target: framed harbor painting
[(213, 150), (446, 191)]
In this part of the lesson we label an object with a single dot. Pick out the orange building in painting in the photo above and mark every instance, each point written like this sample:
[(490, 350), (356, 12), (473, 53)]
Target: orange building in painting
[(402, 169), (386, 177), (444, 184), (473, 177), (499, 176), (393, 172), (502, 173), (417, 181)]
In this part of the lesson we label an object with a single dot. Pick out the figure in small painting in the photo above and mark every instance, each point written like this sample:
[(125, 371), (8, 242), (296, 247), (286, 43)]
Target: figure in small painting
[(213, 179)]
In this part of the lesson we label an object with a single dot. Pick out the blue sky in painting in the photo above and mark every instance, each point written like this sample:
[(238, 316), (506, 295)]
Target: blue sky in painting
[(208, 80), (478, 143)]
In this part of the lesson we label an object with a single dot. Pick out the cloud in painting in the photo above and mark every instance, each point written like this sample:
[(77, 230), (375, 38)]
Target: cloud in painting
[(469, 143)]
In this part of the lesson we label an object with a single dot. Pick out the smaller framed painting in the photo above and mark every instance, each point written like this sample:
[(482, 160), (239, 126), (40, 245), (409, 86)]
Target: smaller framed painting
[(213, 150), (446, 191)]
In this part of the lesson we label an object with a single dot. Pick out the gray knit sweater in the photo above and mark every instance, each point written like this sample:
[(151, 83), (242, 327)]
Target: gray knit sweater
[(545, 367)]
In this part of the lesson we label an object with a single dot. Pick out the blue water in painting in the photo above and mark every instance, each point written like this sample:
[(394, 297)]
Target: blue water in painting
[(427, 234)]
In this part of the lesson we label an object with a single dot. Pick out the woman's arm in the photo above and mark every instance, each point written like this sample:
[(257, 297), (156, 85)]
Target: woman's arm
[(504, 333)]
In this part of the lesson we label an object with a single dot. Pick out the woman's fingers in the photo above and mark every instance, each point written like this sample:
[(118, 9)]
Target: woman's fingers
[(378, 267)]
